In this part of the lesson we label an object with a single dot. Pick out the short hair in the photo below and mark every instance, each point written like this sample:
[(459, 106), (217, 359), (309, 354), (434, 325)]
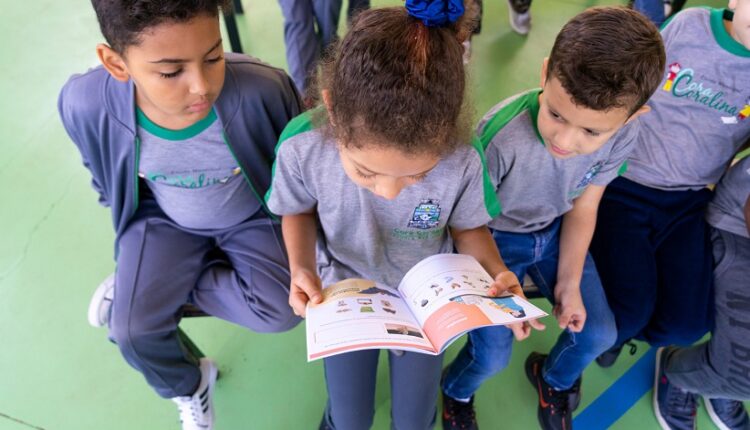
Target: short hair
[(608, 57), (123, 21)]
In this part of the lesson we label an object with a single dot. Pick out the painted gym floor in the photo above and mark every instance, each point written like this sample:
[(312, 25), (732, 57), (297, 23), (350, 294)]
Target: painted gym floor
[(58, 373)]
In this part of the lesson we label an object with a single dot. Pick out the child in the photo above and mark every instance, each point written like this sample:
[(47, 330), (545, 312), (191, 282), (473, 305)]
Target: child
[(162, 127), (718, 369), (651, 244), (551, 153), (309, 28), (392, 136)]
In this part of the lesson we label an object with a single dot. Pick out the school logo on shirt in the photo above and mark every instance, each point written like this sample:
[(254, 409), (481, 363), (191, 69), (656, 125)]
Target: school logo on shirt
[(682, 82), (591, 174), (586, 180), (426, 215)]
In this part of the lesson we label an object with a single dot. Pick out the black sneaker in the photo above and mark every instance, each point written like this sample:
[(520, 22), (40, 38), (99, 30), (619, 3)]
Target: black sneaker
[(727, 414), (458, 415), (674, 407), (608, 358), (574, 395), (554, 412)]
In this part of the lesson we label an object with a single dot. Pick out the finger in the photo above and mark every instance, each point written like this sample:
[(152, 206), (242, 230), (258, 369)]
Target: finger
[(537, 325), (298, 301), (504, 281), (564, 320), (520, 331), (576, 324), (310, 285)]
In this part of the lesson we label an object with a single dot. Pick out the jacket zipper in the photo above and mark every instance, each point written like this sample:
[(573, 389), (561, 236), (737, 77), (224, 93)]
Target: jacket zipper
[(257, 196)]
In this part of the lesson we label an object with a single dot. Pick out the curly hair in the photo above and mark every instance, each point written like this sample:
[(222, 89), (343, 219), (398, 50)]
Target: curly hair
[(396, 82), (123, 21)]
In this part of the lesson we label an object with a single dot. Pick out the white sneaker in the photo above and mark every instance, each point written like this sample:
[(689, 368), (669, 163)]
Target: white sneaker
[(197, 411), (101, 302), (519, 22)]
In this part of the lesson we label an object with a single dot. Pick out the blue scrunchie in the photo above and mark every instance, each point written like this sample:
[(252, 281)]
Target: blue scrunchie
[(434, 13)]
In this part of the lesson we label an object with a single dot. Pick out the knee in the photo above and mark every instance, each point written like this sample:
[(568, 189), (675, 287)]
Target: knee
[(276, 320), (682, 335), (492, 354), (598, 335), (124, 333)]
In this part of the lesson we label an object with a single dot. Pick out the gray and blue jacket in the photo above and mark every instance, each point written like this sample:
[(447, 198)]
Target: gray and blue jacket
[(99, 114)]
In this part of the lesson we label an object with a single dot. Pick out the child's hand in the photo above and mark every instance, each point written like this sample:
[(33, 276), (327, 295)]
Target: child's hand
[(569, 309), (507, 281), (305, 287)]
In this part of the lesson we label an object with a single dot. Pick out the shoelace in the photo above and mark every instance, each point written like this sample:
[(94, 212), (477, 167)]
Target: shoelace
[(462, 412), (729, 408), (633, 348), (192, 409), (682, 401), (559, 401)]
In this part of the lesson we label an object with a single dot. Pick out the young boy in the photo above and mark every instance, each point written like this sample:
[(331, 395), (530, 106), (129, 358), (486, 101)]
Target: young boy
[(718, 369), (658, 276), (551, 152), (163, 128)]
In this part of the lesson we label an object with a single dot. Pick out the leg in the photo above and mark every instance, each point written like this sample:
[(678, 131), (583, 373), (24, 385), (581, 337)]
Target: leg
[(684, 308), (327, 13), (719, 368), (415, 381), (300, 39), (625, 257), (487, 350), (573, 352), (350, 378), (253, 289), (147, 300), (653, 9), (355, 7)]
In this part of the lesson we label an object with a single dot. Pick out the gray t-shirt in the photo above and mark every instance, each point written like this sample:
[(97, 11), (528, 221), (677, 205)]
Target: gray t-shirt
[(533, 187), (727, 209), (366, 236), (700, 111), (193, 175)]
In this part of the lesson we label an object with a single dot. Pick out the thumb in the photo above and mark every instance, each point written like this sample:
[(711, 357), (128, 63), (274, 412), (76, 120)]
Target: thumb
[(311, 286)]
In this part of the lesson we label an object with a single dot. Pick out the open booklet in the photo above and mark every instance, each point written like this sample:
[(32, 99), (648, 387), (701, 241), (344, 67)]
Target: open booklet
[(438, 300)]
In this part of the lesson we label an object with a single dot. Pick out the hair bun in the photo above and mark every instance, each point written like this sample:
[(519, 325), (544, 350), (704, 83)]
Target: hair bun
[(434, 13)]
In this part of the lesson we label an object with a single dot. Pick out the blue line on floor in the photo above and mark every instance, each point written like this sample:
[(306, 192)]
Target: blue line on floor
[(616, 400)]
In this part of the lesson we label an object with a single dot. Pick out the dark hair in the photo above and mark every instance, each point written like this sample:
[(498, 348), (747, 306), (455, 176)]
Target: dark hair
[(608, 57), (399, 83), (123, 21)]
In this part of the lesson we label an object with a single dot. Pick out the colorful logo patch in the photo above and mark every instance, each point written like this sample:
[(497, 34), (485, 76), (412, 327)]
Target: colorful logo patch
[(589, 176), (426, 215)]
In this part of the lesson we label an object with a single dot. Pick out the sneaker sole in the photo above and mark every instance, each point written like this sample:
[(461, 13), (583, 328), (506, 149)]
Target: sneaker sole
[(714, 417), (655, 397), (97, 300), (213, 375)]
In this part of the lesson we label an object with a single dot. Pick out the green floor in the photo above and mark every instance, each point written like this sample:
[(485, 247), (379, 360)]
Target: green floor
[(58, 373)]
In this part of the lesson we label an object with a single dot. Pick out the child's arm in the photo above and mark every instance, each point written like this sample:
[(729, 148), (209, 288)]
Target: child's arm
[(300, 235), (747, 214), (478, 243), (577, 229)]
